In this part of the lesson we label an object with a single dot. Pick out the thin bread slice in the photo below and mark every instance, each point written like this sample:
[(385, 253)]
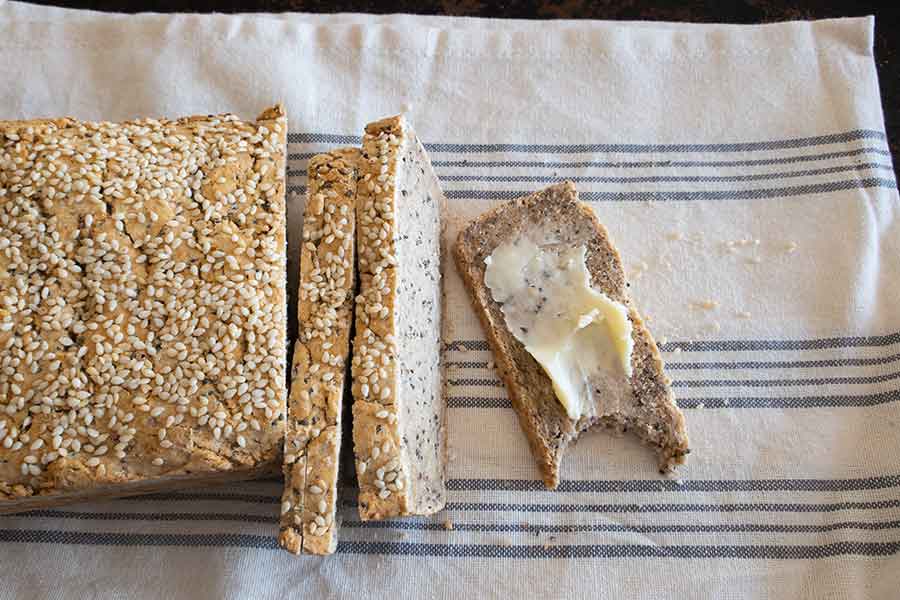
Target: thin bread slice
[(398, 409), (325, 313), (648, 408)]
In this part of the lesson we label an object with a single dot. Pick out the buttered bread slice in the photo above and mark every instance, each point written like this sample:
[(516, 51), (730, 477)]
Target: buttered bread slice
[(325, 311), (549, 288), (398, 409)]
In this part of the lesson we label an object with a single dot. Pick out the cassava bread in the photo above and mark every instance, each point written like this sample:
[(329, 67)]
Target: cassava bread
[(650, 412), (142, 313), (399, 423), (325, 312)]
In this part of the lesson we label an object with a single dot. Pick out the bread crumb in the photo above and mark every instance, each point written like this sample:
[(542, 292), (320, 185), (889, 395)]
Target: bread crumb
[(701, 406), (663, 341), (490, 364), (676, 350), (791, 247), (638, 270), (714, 326), (743, 314), (448, 525), (754, 260), (676, 236), (705, 304)]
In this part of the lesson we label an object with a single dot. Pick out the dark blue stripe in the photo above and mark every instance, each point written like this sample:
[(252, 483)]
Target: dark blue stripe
[(664, 178), (701, 383), (324, 138), (673, 507), (220, 540), (465, 148), (773, 507), (649, 178), (816, 381), (477, 402), (870, 341), (832, 401), (228, 496), (155, 516), (614, 527), (740, 345), (698, 195), (398, 525), (686, 485), (875, 482), (655, 164), (738, 365), (481, 382), (775, 364), (770, 552)]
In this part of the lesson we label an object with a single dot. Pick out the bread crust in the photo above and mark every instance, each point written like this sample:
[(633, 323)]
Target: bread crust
[(389, 482), (325, 311), (542, 417)]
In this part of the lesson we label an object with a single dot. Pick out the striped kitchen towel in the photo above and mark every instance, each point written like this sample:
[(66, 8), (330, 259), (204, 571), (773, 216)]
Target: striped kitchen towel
[(743, 173)]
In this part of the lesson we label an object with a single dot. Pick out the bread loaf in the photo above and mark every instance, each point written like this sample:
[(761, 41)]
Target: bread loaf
[(142, 313)]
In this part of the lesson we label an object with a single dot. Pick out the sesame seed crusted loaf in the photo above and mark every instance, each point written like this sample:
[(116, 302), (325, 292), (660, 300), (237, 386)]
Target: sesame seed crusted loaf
[(648, 408), (142, 311), (325, 314), (399, 426)]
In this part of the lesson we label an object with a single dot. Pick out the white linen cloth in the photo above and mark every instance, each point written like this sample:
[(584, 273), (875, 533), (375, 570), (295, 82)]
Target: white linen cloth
[(743, 172)]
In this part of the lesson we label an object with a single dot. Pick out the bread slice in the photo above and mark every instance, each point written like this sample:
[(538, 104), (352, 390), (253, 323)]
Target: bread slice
[(398, 409), (325, 312), (648, 408), (142, 319)]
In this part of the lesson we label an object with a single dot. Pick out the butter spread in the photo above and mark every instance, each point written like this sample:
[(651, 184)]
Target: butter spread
[(577, 334)]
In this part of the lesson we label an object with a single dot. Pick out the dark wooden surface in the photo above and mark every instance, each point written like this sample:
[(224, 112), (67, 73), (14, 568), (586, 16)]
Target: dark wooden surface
[(887, 14)]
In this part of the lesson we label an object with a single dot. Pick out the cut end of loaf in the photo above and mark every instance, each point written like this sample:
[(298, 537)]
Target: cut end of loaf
[(652, 415)]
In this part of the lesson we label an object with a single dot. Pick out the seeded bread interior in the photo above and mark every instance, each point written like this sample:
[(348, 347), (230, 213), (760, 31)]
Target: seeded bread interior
[(399, 414), (649, 409)]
